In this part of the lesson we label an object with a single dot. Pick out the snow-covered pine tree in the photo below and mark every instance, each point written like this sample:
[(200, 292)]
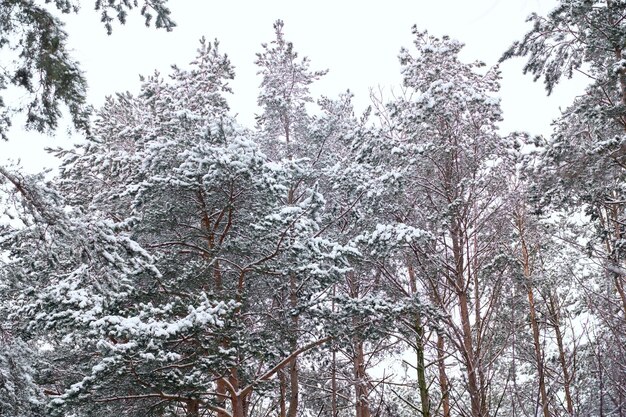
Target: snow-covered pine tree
[(545, 247), (289, 133), (20, 393), (61, 270), (175, 236), (584, 162), (321, 135), (443, 144), (587, 148)]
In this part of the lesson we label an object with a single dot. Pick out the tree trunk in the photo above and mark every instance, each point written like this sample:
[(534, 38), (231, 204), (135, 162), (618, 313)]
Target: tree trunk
[(358, 356), (239, 406), (419, 348), (333, 385), (333, 376), (360, 387), (526, 269), (443, 378), (421, 367), (193, 407), (283, 393), (294, 383), (554, 313), (468, 353), (218, 287), (538, 354), (466, 329)]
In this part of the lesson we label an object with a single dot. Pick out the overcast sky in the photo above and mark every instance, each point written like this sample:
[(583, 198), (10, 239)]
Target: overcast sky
[(358, 41)]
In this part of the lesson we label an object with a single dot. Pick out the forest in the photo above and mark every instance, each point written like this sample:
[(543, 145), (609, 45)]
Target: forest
[(410, 260)]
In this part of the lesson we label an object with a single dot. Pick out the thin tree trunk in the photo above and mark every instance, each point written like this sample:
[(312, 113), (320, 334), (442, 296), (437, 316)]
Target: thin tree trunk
[(419, 348), (473, 277), (526, 269), (554, 313), (421, 367), (360, 388), (239, 406), (466, 329), (439, 299), (443, 378), (513, 370), (218, 286), (615, 220), (283, 393), (294, 383), (601, 383), (468, 352), (361, 403), (333, 376), (333, 384), (538, 354)]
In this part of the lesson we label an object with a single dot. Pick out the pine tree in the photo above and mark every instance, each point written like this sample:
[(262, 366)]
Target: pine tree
[(446, 149), (185, 222), (583, 164)]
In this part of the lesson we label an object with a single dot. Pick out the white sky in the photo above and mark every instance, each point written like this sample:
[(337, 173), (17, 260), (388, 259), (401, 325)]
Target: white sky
[(358, 41)]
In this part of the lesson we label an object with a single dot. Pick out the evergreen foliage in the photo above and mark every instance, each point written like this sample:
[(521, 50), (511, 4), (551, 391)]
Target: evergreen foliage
[(411, 260)]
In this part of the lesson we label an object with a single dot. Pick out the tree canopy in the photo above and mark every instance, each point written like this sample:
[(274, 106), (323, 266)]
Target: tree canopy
[(410, 260)]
